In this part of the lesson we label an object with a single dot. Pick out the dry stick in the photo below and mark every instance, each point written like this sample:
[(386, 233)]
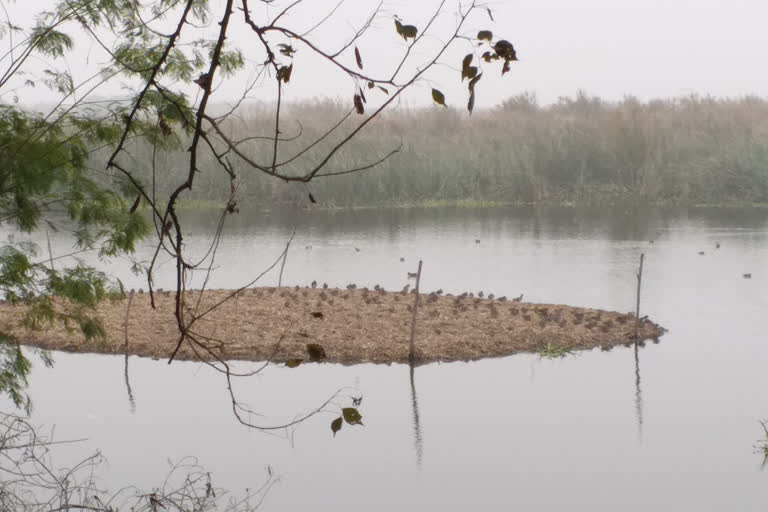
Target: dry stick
[(50, 253), (285, 257), (411, 356), (637, 308)]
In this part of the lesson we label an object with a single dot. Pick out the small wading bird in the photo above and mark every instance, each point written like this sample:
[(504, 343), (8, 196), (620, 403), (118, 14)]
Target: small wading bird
[(747, 276), (518, 299)]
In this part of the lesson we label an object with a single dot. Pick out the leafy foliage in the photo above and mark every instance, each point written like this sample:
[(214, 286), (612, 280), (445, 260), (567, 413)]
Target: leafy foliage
[(45, 180), (550, 351), (160, 50), (14, 370), (350, 415)]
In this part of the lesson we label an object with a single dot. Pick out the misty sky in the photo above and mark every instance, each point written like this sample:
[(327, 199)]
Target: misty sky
[(609, 48)]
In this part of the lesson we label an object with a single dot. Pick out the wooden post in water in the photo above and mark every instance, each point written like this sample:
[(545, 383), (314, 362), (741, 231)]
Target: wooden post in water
[(411, 356), (637, 308)]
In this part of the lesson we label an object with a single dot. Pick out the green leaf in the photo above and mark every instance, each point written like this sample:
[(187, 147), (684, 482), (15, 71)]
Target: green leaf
[(409, 31), (399, 27), (468, 71), (293, 363), (505, 50), (485, 35), (467, 61), (316, 352), (359, 104), (439, 97), (284, 73), (286, 49), (474, 81), (352, 416), (406, 31), (336, 425)]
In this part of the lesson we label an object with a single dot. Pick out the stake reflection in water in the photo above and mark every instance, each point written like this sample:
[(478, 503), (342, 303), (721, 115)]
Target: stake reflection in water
[(638, 394), (131, 399), (417, 441)]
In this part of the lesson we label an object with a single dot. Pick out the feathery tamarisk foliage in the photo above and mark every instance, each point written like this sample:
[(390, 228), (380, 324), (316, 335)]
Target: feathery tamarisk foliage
[(172, 56)]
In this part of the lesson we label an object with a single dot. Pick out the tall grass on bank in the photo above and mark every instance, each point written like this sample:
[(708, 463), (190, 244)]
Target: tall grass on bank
[(691, 150)]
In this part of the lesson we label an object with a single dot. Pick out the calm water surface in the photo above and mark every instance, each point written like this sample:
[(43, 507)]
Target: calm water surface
[(671, 427)]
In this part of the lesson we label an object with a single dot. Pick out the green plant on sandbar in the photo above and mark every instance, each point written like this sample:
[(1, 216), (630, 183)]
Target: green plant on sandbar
[(550, 351), (762, 445)]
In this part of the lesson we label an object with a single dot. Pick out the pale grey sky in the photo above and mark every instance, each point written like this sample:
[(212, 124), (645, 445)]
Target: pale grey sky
[(608, 48)]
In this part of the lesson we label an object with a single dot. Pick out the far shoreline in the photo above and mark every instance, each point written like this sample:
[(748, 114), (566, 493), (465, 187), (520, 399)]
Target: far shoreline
[(202, 205)]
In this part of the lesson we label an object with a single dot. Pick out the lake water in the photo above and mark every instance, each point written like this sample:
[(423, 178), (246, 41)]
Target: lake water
[(669, 427)]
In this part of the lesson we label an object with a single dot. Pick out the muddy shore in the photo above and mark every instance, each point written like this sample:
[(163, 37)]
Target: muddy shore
[(352, 325)]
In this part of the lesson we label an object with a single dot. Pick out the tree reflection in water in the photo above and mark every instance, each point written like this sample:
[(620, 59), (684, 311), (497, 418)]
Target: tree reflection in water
[(418, 441)]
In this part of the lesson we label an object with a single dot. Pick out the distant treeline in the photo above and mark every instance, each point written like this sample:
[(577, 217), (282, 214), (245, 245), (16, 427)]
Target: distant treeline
[(690, 150)]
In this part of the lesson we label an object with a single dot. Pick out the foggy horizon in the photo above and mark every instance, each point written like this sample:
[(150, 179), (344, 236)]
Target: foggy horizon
[(648, 50)]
